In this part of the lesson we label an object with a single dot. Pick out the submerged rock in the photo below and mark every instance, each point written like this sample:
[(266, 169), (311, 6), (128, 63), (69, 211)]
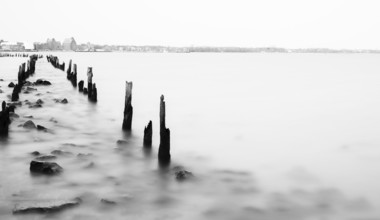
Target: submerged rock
[(53, 120), (182, 174), (49, 168), (36, 106), (82, 155), (121, 142), (28, 83), (39, 101), (46, 157), (13, 115), (1, 91), (61, 153), (108, 202), (18, 103), (63, 101), (29, 89), (29, 125), (28, 116), (45, 206), (90, 165)]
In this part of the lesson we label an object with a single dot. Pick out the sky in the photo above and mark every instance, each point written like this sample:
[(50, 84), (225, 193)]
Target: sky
[(351, 24)]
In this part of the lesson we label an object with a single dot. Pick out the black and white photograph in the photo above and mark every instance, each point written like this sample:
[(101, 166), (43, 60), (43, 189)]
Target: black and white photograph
[(189, 110)]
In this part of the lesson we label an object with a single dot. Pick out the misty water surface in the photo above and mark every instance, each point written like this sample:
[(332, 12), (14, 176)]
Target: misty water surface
[(267, 136)]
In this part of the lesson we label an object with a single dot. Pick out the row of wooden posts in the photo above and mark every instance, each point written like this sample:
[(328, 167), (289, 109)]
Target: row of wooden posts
[(164, 147), (91, 89), (25, 70)]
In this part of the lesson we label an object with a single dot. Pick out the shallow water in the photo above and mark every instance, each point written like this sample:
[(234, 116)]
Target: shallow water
[(267, 136)]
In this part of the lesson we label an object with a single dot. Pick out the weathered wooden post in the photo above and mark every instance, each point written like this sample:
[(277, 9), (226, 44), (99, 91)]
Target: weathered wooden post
[(16, 91), (80, 85), (164, 148), (74, 76), (128, 109), (4, 120), (89, 81), (148, 131), (20, 75), (94, 95), (69, 69)]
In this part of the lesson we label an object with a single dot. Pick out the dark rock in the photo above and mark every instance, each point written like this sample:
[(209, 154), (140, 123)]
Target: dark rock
[(35, 153), (45, 206), (85, 91), (39, 101), (46, 157), (41, 128), (49, 168), (41, 82), (29, 125), (11, 85)]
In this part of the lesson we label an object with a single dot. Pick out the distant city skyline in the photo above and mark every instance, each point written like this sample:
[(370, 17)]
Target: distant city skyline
[(339, 24)]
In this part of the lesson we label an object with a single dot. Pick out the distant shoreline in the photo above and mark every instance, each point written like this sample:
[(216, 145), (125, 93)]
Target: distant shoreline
[(162, 49)]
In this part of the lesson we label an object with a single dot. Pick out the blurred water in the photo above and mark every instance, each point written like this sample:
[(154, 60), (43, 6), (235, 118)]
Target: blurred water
[(268, 136)]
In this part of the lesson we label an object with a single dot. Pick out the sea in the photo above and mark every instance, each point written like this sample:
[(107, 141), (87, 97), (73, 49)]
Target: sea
[(267, 136)]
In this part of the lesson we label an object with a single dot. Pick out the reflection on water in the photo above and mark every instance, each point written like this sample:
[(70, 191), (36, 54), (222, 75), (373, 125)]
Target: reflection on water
[(267, 136)]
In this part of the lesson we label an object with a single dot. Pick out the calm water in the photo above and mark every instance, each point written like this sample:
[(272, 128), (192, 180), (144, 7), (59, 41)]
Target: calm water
[(268, 136)]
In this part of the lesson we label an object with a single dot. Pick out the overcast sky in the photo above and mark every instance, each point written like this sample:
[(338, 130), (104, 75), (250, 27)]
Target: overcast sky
[(252, 23)]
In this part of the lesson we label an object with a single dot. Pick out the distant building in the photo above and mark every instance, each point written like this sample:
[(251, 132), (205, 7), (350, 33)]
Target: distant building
[(12, 46), (52, 44), (69, 44)]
